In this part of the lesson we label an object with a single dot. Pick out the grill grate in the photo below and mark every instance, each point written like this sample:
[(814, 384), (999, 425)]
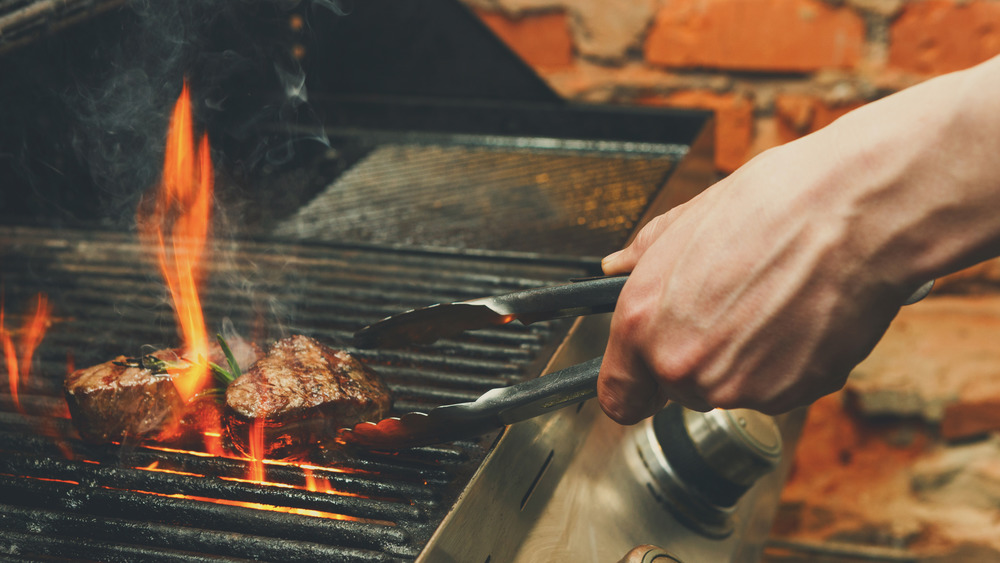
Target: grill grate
[(63, 498), (548, 201)]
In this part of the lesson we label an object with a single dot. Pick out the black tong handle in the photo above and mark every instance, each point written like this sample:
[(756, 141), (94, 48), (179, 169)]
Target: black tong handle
[(507, 405), (583, 297)]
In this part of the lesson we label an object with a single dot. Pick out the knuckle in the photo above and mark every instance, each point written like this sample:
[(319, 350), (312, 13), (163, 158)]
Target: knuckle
[(678, 365), (650, 232)]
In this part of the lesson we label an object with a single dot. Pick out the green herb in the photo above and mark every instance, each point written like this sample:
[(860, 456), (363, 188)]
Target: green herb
[(221, 374), (234, 368), (163, 367), (153, 364), (217, 393)]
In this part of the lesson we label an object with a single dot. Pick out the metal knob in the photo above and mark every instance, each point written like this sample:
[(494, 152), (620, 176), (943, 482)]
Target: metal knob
[(738, 445), (700, 464), (649, 554)]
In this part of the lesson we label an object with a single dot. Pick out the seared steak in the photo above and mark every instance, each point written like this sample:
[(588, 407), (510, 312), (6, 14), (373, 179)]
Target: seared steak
[(302, 393), (113, 401), (122, 399)]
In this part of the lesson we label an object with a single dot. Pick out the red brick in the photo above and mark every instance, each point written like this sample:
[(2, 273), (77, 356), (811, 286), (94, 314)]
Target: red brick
[(971, 418), (937, 356), (980, 278), (733, 121), (765, 136), (939, 36), (800, 115), (755, 35), (542, 40), (841, 459), (795, 115)]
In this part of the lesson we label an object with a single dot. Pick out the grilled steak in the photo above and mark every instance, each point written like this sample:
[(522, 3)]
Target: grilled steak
[(121, 399), (112, 401), (301, 393)]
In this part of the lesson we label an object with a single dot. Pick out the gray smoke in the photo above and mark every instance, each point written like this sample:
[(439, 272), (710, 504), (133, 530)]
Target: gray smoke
[(234, 54)]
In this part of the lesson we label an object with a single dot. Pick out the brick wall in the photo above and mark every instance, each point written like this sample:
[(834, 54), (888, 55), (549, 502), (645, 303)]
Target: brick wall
[(772, 70)]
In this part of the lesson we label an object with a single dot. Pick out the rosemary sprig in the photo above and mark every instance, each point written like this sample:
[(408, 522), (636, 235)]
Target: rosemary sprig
[(153, 364), (163, 367), (234, 368), (221, 374)]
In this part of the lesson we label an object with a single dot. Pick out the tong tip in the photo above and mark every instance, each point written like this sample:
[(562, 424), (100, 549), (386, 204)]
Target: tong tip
[(389, 433)]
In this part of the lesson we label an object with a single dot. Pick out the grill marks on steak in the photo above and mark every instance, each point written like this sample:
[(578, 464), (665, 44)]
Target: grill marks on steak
[(113, 402), (302, 393), (110, 402)]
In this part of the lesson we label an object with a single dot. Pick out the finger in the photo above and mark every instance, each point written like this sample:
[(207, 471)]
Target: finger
[(625, 389), (629, 389), (624, 260), (632, 395), (625, 397)]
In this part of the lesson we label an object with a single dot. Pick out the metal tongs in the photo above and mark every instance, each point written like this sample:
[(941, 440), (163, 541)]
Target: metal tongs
[(497, 407), (502, 406)]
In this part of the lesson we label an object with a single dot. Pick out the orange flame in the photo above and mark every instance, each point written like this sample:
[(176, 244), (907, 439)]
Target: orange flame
[(178, 228), (316, 484), (32, 332), (10, 355), (311, 482), (212, 438), (256, 443)]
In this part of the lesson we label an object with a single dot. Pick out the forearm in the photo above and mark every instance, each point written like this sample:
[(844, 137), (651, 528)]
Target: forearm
[(924, 180), (769, 287)]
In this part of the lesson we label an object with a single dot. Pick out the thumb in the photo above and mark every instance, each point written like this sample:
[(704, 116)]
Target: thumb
[(625, 260)]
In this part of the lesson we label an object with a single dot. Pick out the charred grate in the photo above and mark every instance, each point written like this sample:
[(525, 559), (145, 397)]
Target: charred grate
[(550, 201), (63, 498), (21, 21)]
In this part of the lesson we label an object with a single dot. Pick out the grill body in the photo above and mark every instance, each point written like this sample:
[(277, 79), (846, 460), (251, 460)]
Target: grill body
[(437, 178)]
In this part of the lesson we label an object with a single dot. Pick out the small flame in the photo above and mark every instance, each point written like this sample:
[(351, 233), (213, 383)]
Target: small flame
[(33, 332), (316, 484), (213, 438), (256, 441), (10, 355), (310, 479), (18, 359), (178, 228)]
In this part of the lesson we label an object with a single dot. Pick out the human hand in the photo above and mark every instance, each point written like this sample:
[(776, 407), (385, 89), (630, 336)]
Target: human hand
[(754, 294)]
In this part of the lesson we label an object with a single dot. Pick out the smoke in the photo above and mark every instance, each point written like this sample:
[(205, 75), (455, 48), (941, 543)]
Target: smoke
[(339, 8), (248, 90)]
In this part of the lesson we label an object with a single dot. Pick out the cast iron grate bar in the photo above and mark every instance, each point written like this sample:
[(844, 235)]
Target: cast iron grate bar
[(36, 530)]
